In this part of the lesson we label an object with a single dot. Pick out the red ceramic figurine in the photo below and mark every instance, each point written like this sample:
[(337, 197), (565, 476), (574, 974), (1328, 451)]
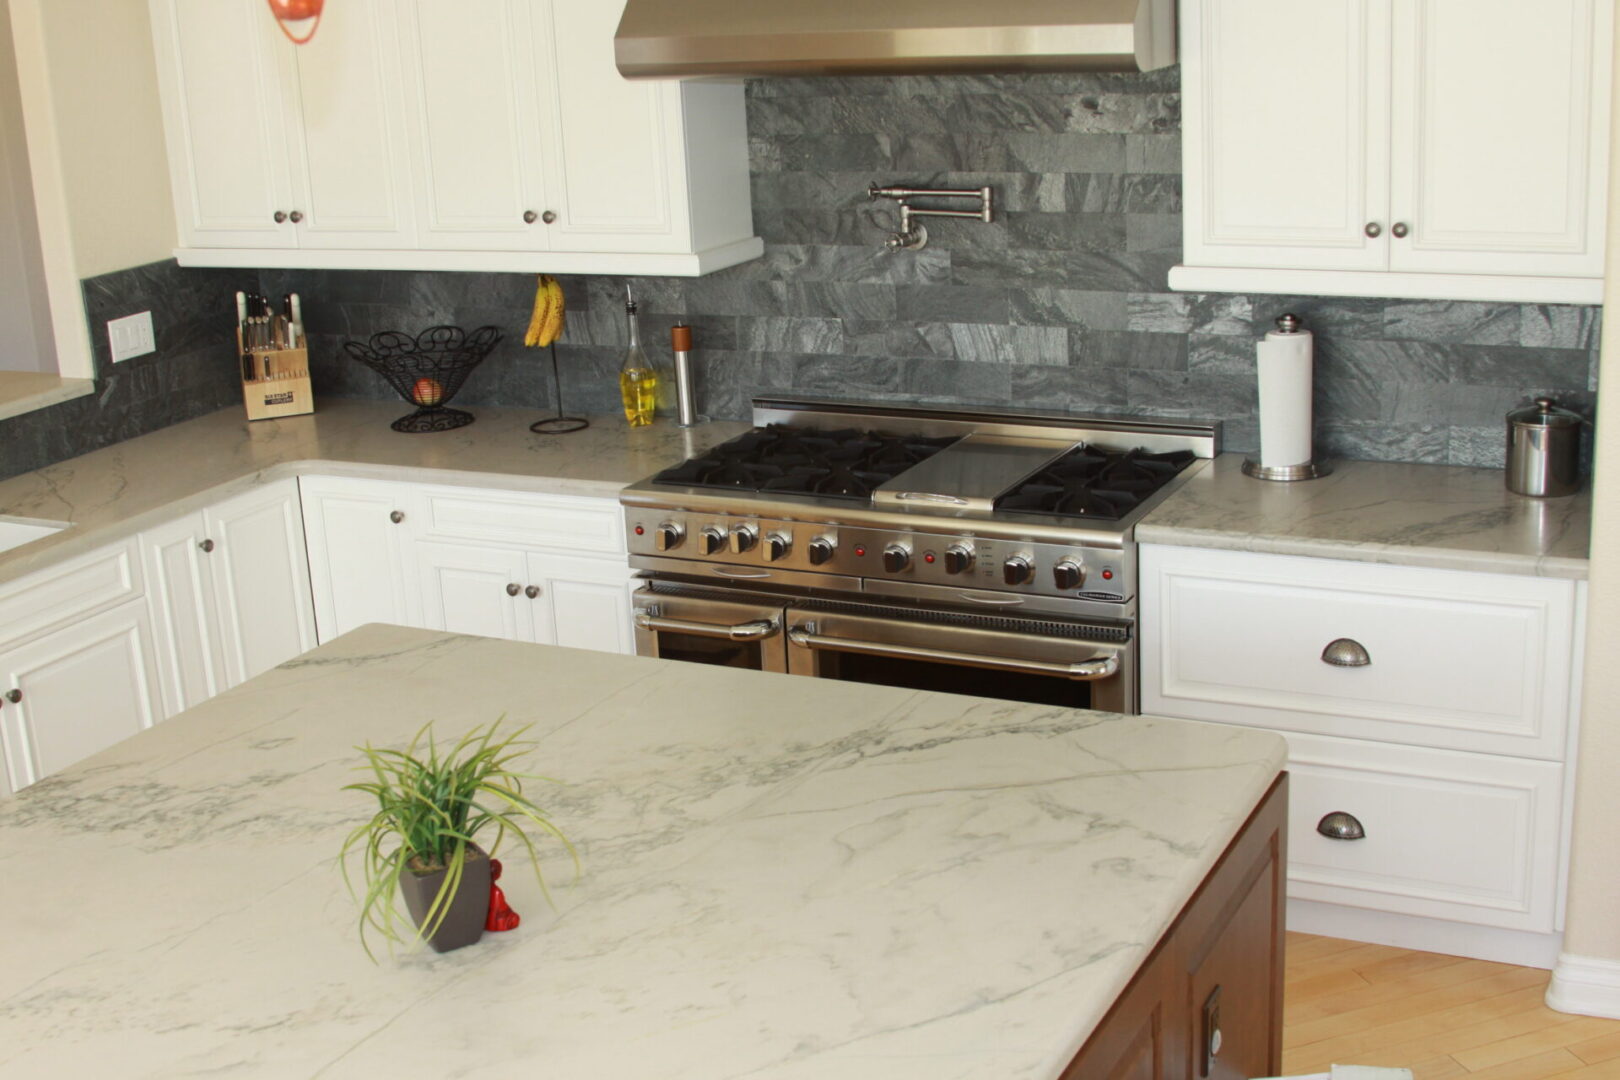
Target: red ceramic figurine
[(501, 916)]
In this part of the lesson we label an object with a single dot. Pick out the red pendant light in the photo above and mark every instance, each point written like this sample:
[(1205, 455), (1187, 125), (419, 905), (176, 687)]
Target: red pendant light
[(287, 11)]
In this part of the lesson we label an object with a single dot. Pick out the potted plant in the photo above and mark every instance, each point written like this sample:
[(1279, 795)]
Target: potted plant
[(421, 842)]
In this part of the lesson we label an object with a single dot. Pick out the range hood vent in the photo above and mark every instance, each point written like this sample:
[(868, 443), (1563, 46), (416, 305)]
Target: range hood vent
[(672, 38)]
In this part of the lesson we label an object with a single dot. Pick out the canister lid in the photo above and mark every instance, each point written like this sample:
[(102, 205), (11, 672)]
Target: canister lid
[(1544, 413)]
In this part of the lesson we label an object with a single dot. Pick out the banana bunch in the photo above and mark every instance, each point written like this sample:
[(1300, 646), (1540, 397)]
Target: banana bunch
[(546, 321)]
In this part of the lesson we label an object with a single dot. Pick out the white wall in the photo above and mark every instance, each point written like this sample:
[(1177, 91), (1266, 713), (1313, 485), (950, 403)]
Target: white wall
[(109, 129), (1592, 926), (25, 318)]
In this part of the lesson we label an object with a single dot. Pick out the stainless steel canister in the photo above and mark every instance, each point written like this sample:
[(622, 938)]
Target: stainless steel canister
[(1543, 450)]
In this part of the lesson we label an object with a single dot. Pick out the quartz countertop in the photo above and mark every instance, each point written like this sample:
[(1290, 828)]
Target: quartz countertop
[(784, 878), (1415, 515), (112, 493)]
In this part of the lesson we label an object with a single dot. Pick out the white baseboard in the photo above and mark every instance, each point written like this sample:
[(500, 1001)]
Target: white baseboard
[(1428, 935), (1586, 985)]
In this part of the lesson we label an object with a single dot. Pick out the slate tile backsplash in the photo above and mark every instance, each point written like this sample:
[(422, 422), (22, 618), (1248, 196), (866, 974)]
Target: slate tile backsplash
[(1061, 303), (190, 374)]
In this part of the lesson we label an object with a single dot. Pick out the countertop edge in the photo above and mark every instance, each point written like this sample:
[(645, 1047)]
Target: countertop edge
[(1437, 558)]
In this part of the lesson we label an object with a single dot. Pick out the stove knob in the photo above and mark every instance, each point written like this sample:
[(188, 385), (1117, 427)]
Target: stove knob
[(1068, 574), (958, 558), (777, 545), (743, 538), (711, 540), (668, 536), (896, 557), (1017, 570), (821, 550)]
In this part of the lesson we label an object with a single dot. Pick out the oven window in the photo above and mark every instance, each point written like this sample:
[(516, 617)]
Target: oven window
[(953, 679), (711, 650)]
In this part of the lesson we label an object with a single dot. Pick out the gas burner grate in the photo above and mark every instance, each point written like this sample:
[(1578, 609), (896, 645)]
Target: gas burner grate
[(1093, 482), (844, 464)]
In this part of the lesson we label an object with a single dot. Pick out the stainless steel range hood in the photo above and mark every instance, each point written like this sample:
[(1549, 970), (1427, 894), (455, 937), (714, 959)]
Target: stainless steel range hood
[(663, 38)]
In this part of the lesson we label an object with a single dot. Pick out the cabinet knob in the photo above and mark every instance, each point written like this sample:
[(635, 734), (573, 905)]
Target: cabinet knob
[(1341, 826), (532, 591), (397, 516), (1399, 230), (280, 216), (14, 696), (530, 217), (513, 589), (1374, 230), (549, 217), (206, 545), (1345, 652), (296, 216)]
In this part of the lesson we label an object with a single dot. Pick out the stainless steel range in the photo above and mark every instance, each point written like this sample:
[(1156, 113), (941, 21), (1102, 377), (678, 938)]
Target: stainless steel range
[(981, 552)]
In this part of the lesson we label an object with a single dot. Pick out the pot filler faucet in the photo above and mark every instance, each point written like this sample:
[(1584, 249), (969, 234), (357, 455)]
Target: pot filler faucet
[(913, 235)]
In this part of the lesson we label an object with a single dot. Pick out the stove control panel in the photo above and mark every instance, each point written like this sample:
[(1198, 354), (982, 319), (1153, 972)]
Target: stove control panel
[(929, 558)]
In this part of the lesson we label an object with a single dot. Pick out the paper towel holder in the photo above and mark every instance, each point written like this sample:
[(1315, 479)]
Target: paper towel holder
[(1305, 470)]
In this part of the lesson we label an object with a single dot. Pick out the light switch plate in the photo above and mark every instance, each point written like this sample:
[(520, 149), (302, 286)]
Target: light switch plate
[(131, 336)]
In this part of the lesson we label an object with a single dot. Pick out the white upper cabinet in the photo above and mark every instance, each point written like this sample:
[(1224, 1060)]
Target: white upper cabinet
[(1454, 149), (438, 135), (345, 131)]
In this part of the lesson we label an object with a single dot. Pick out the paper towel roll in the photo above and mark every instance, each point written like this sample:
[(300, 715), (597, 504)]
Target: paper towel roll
[(1284, 361)]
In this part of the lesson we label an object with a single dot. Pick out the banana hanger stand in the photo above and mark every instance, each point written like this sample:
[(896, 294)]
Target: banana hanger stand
[(545, 327)]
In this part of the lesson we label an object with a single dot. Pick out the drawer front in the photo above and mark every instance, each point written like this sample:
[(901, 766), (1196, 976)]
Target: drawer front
[(575, 524), (1467, 837), (69, 592), (1458, 660)]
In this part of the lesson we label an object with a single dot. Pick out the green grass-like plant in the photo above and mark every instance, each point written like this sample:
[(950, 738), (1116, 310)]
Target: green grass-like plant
[(430, 807)]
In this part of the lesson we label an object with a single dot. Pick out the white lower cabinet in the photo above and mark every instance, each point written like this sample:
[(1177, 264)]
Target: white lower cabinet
[(469, 589), (1443, 731), (229, 592), (361, 559), (76, 691), (581, 603)]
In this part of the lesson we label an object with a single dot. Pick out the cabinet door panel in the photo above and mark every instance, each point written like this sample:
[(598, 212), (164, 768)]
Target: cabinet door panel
[(583, 604), (608, 158), (359, 557), (83, 689), (1495, 166), (1287, 133), (261, 580), (474, 118), (224, 122), (348, 142), (180, 591), (465, 590)]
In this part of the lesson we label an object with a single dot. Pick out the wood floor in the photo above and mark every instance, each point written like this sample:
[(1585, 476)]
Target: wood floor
[(1440, 1016)]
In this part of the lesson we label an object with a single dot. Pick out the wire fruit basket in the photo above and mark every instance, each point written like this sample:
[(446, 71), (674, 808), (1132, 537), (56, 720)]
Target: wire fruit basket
[(427, 370)]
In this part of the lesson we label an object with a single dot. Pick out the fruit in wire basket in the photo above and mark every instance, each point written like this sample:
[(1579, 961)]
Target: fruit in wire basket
[(427, 392)]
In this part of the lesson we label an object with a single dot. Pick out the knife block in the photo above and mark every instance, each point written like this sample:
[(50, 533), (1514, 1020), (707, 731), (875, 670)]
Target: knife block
[(280, 386)]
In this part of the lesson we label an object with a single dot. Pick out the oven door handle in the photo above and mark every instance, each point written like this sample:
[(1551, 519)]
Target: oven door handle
[(748, 631), (1086, 671)]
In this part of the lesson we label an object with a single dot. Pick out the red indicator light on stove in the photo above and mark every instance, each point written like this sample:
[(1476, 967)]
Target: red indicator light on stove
[(1108, 575), (860, 550), (640, 531), (928, 557)]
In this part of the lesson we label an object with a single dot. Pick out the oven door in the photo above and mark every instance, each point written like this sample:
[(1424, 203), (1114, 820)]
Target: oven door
[(737, 633), (1052, 663)]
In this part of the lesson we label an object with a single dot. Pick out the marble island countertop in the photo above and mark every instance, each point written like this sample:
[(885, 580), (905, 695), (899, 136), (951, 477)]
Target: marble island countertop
[(112, 493), (1414, 515), (790, 879)]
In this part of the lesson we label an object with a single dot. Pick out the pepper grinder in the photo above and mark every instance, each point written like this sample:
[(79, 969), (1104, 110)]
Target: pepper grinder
[(680, 339)]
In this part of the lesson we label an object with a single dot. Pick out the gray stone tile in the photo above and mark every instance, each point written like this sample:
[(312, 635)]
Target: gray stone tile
[(1094, 271), (1097, 310), (1478, 447), (1182, 313), (1154, 233), (1125, 113), (1067, 232), (1516, 367), (1155, 352), (1560, 326), (984, 343), (1073, 388), (1221, 353), (1153, 153), (785, 334), (1425, 444), (954, 382), (887, 337), (1334, 316), (1199, 395), (952, 303), (1453, 322)]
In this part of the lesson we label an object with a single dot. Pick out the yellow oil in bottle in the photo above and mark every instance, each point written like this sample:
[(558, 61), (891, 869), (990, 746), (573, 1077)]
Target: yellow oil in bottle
[(638, 386)]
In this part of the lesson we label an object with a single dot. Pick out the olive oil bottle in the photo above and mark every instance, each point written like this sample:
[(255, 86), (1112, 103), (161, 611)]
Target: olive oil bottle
[(638, 379)]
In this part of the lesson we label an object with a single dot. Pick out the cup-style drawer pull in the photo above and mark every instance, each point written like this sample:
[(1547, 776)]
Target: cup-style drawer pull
[(1341, 826), (1345, 652)]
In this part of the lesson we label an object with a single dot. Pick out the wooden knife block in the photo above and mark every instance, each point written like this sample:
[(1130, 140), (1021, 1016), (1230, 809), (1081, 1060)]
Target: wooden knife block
[(282, 386)]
